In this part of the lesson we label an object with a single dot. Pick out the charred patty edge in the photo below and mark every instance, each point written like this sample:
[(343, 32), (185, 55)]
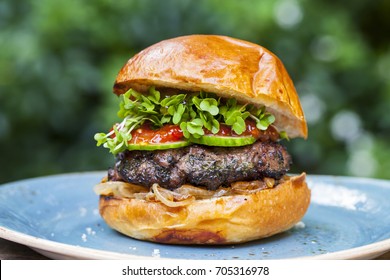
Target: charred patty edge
[(202, 166)]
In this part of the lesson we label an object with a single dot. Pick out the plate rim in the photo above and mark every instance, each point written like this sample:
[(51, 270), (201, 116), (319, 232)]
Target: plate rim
[(43, 245), (80, 252)]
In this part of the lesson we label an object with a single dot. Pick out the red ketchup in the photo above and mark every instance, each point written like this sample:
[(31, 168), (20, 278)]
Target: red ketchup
[(166, 134)]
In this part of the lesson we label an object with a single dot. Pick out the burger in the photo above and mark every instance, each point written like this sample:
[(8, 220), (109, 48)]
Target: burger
[(199, 144)]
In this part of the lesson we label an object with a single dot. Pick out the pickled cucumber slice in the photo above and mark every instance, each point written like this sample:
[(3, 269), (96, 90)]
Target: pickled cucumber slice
[(159, 146), (224, 141)]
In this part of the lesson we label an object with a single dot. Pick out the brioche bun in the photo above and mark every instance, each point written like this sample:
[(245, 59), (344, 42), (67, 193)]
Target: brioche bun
[(228, 219), (226, 66)]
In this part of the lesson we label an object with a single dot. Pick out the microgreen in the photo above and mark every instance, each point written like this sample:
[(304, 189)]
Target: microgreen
[(192, 112), (193, 128), (263, 119), (234, 115), (283, 135)]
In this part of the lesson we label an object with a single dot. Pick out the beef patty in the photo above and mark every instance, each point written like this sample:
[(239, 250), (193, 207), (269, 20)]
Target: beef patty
[(203, 166)]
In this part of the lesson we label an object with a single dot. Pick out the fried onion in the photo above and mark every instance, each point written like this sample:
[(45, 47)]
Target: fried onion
[(170, 198), (181, 196)]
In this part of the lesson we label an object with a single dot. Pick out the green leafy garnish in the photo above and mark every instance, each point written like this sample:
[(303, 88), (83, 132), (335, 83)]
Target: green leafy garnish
[(263, 119), (234, 115), (193, 112), (192, 128), (283, 135)]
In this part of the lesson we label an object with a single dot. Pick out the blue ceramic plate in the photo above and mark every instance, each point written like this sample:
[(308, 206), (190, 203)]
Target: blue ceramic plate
[(349, 218)]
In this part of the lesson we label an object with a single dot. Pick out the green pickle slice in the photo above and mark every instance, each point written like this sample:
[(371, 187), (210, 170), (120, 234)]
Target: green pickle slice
[(224, 141), (160, 146), (208, 140)]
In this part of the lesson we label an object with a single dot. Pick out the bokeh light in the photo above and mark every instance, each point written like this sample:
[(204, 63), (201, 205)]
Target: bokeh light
[(59, 59)]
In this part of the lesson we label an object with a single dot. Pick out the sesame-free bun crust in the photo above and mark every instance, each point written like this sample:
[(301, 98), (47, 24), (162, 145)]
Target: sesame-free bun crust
[(220, 220), (226, 66)]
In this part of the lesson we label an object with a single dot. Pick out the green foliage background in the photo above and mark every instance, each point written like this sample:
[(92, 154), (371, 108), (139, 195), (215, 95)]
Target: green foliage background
[(59, 59)]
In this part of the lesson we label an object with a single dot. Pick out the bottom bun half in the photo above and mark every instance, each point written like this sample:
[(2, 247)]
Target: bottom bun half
[(227, 219)]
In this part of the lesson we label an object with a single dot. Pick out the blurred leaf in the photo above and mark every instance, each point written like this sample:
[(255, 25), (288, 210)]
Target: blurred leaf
[(59, 60)]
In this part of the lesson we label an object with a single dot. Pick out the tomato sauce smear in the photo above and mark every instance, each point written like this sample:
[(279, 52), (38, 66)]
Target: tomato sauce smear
[(251, 130), (171, 133), (166, 134)]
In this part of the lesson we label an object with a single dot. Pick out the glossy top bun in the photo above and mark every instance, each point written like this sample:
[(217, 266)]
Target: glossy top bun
[(228, 219), (226, 66)]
